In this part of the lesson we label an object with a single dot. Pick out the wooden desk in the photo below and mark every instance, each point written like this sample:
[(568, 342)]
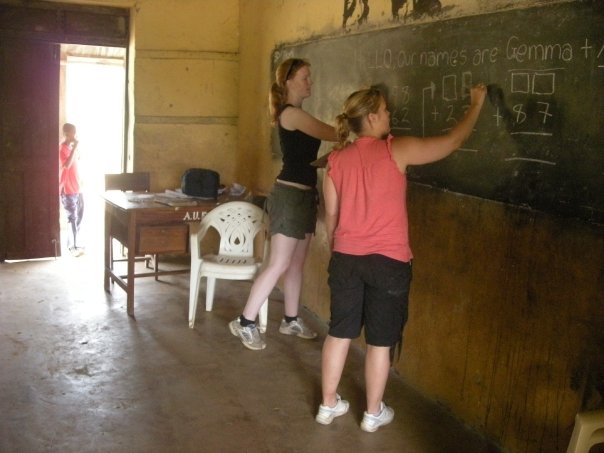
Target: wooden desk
[(146, 227)]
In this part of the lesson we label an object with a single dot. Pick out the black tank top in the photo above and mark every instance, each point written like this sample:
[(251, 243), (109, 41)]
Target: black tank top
[(299, 150)]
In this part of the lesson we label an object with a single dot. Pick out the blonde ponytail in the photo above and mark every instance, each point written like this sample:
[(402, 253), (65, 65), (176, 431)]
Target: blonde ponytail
[(342, 131), (356, 108)]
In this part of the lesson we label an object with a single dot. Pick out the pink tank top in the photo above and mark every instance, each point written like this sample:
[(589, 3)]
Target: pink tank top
[(372, 200)]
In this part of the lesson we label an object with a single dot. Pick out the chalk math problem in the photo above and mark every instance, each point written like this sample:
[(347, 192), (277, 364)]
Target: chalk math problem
[(539, 142)]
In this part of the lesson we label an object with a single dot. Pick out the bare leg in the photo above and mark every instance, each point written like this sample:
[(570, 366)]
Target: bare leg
[(292, 279), (377, 367), (333, 359), (282, 250)]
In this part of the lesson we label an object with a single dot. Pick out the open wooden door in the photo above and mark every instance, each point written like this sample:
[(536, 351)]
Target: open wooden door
[(29, 114), (29, 140)]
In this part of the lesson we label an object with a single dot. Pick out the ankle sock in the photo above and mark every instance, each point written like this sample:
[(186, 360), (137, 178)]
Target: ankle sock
[(245, 322), (289, 319)]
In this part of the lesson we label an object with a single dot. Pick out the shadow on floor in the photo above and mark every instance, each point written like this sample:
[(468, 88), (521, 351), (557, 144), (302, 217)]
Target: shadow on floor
[(79, 375)]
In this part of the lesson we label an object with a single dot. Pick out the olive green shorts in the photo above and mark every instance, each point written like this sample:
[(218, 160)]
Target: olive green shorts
[(293, 211)]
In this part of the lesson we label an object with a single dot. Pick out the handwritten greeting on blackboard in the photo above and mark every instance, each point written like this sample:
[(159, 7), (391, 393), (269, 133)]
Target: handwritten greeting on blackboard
[(539, 142)]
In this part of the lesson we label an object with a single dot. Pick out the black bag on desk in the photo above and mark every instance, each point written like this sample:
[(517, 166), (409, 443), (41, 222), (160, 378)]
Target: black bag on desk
[(200, 182)]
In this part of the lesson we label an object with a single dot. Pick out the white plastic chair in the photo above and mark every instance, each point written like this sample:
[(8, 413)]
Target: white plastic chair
[(240, 224), (588, 431)]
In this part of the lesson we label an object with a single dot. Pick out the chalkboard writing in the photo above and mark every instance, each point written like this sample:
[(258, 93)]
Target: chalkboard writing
[(539, 142)]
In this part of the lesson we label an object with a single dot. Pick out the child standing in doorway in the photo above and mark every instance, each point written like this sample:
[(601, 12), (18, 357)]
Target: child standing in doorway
[(72, 198)]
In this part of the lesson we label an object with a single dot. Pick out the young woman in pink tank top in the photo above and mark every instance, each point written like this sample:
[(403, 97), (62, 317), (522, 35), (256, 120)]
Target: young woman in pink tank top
[(366, 220)]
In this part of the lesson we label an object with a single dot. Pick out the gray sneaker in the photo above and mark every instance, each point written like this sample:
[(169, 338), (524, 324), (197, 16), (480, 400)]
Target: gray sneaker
[(249, 335), (297, 328), (326, 414), (371, 423)]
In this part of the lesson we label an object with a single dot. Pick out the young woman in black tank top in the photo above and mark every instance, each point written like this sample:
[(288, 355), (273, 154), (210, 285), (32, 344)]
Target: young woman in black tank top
[(292, 203)]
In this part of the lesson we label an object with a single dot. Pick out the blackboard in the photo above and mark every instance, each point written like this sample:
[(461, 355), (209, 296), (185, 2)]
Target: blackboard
[(539, 142)]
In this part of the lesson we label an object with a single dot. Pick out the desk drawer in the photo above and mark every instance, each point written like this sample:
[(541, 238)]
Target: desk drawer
[(162, 239)]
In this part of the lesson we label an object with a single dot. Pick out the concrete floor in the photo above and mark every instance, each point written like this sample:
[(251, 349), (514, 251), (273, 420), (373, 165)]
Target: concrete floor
[(79, 375)]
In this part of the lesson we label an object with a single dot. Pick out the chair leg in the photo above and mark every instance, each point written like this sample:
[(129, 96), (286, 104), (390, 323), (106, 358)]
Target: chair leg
[(110, 252), (156, 266), (210, 285), (263, 317), (588, 431), (193, 291)]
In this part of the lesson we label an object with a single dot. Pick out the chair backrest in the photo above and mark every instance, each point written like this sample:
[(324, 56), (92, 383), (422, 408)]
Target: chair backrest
[(137, 182), (238, 223)]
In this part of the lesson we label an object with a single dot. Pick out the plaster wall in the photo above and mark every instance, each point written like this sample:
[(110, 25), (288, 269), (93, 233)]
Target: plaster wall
[(506, 303), (183, 87)]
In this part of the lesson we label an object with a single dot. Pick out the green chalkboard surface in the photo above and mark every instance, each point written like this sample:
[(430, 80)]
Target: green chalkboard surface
[(539, 142)]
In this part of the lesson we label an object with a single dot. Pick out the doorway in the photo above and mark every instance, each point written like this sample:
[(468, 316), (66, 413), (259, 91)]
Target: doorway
[(92, 96), (31, 73)]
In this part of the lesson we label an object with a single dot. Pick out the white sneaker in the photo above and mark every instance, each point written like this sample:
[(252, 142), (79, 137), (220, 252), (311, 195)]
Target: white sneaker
[(297, 328), (249, 335), (326, 414), (371, 423)]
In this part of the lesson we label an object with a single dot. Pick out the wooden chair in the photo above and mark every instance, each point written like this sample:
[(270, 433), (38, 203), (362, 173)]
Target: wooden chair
[(135, 182)]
